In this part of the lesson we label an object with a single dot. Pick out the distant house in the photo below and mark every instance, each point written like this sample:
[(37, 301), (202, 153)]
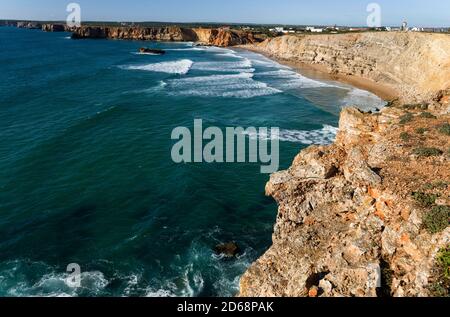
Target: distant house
[(313, 29)]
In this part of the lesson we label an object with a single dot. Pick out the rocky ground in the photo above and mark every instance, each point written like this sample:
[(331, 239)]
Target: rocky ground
[(366, 216)]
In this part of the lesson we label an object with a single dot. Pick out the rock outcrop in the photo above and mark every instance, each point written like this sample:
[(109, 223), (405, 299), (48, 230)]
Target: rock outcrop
[(350, 219), (55, 27), (28, 25), (415, 65), (217, 37)]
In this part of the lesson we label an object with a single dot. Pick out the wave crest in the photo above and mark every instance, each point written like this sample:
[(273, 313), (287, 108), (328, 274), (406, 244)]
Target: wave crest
[(180, 67)]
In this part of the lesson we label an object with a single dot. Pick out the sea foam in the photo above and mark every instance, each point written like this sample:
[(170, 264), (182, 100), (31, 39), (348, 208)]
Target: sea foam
[(228, 85), (364, 100), (323, 136), (180, 67)]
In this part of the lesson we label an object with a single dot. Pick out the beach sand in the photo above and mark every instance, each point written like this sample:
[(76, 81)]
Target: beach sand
[(320, 72)]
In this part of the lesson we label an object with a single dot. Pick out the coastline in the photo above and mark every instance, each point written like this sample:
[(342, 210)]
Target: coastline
[(319, 72)]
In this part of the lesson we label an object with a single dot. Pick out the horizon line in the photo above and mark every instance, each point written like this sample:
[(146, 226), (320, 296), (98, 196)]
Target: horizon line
[(206, 22)]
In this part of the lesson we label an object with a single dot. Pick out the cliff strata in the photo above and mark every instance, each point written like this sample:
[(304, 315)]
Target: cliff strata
[(216, 37), (414, 65), (365, 216)]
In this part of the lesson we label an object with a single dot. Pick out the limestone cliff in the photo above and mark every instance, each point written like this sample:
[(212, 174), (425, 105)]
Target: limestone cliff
[(365, 216), (217, 37), (50, 27), (415, 65)]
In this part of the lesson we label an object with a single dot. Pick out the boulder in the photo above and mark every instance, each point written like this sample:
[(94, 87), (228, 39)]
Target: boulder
[(229, 250)]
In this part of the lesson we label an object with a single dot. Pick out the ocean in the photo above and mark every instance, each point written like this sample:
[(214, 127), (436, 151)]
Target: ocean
[(86, 174)]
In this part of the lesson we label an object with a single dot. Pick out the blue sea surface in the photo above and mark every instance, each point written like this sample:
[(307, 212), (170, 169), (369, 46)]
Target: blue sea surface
[(86, 174)]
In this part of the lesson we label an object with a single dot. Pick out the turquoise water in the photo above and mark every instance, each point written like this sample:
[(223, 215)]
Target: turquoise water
[(85, 169)]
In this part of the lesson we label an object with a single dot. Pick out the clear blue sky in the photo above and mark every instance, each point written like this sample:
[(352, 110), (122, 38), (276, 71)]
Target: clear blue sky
[(348, 12)]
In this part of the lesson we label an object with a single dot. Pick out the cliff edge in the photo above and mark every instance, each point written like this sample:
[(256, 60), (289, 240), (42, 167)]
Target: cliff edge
[(412, 65), (369, 214), (365, 216), (205, 36)]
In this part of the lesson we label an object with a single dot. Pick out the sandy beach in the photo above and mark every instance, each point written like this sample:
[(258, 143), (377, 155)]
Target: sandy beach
[(317, 71)]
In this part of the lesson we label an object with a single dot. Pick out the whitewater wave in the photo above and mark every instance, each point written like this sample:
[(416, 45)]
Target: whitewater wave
[(186, 49), (364, 100), (180, 67), (240, 67), (230, 54), (229, 86), (323, 136), (288, 79), (14, 281), (143, 53)]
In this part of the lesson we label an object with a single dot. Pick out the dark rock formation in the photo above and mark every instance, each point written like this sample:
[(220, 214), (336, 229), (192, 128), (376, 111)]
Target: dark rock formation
[(54, 28), (228, 250), (145, 50)]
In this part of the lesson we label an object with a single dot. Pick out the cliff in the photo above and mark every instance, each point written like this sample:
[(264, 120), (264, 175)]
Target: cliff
[(366, 216), (55, 28), (414, 65), (28, 25), (217, 37)]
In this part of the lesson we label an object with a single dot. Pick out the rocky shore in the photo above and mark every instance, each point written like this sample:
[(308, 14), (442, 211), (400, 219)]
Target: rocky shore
[(369, 214)]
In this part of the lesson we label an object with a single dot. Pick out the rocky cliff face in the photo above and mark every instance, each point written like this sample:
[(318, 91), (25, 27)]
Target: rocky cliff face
[(55, 28), (415, 65), (217, 37), (365, 216), (28, 25)]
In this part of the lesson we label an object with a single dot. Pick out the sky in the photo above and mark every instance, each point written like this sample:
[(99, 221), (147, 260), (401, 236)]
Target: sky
[(433, 13)]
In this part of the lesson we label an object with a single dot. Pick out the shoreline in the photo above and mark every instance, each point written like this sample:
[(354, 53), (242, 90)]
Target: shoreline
[(319, 72)]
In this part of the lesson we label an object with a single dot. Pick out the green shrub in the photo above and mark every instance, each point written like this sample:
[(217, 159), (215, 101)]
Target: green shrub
[(406, 118), (421, 130), (420, 106), (427, 115), (425, 200), (427, 152), (440, 286), (405, 136), (443, 260), (436, 185), (437, 219), (445, 129)]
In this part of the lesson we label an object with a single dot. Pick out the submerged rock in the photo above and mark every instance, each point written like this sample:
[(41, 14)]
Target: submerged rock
[(145, 50), (229, 250)]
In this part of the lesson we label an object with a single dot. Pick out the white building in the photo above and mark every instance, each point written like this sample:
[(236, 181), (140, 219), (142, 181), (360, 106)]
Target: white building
[(313, 29), (277, 30)]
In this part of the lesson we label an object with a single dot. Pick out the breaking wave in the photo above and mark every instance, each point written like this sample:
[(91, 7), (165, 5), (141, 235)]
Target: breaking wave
[(231, 85), (364, 100), (244, 66), (180, 67), (288, 79), (323, 136)]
